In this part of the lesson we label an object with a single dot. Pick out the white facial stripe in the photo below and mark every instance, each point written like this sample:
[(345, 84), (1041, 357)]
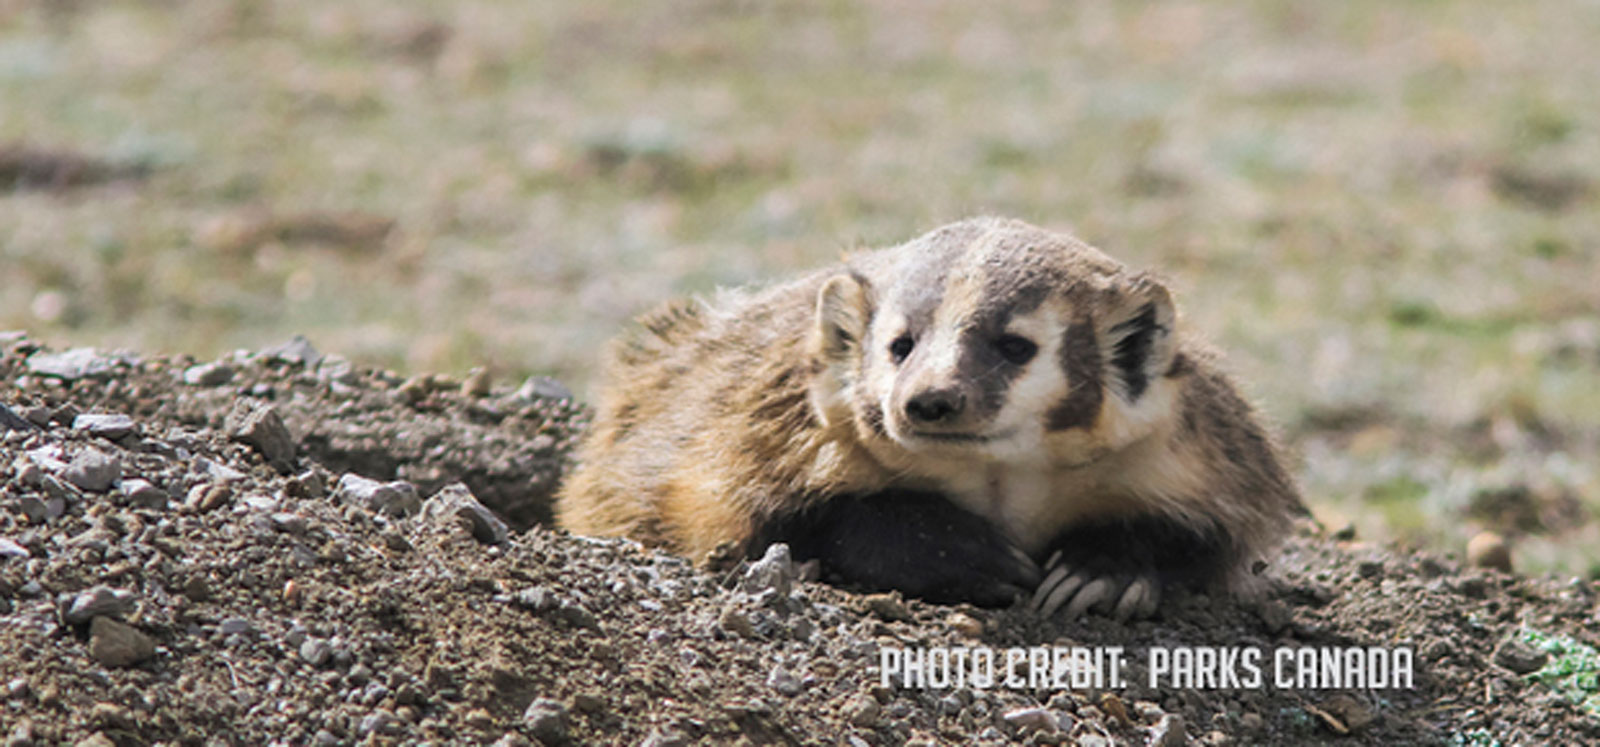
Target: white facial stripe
[(1040, 385)]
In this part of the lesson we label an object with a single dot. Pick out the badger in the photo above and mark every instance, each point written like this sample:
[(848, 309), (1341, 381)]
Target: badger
[(988, 412)]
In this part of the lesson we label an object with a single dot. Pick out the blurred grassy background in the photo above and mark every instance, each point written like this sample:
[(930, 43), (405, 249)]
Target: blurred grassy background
[(1386, 212)]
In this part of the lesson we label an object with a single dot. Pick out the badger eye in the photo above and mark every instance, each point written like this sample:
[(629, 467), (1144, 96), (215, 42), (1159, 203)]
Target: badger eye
[(1016, 349), (900, 348)]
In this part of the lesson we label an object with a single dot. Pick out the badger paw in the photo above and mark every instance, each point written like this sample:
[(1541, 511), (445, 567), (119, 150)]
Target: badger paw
[(1075, 590)]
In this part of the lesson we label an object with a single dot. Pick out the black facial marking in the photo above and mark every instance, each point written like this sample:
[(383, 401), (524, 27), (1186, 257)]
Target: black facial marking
[(1080, 359), (1134, 339)]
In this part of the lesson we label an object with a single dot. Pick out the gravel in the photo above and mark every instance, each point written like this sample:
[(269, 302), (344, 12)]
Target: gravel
[(183, 581)]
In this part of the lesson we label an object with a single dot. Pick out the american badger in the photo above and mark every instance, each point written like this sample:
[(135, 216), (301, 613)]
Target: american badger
[(988, 410)]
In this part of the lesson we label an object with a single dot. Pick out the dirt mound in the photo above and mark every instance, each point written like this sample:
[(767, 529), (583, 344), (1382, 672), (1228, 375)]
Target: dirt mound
[(277, 546)]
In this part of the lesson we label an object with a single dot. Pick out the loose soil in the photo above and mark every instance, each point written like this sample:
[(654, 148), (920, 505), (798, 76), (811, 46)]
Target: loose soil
[(211, 569)]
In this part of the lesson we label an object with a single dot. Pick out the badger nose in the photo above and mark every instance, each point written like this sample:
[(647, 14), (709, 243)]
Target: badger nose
[(935, 405)]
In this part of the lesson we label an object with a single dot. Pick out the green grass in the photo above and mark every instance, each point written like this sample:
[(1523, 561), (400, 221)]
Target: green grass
[(1373, 207), (1573, 670)]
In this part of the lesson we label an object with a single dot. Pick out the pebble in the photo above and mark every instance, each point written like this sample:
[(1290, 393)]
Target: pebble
[(378, 722), (542, 387), (117, 644), (207, 496), (547, 719), (141, 493), (315, 651), (11, 420), (965, 624), (235, 626), (100, 600), (667, 738), (34, 509), (260, 426), (1519, 657), (1489, 550), (476, 383), (863, 712), (887, 607), (784, 681), (77, 363), (1169, 732), (454, 502), (208, 374), (398, 498), (589, 702), (93, 470), (774, 571), (297, 350), (105, 425), (10, 549), (1033, 719)]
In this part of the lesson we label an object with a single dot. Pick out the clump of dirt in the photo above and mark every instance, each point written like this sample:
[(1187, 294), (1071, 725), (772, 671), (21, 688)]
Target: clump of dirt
[(279, 546)]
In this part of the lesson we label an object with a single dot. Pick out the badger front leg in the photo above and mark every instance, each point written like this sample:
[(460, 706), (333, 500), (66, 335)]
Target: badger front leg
[(1121, 567), (917, 542)]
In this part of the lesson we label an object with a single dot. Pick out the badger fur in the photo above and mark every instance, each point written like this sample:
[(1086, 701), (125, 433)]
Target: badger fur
[(988, 410)]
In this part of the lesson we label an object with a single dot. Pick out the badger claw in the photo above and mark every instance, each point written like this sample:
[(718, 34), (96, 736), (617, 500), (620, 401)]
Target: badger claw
[(1075, 592)]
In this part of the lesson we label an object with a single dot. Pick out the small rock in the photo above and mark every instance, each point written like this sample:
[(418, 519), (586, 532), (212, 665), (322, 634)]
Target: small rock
[(208, 374), (10, 420), (512, 739), (260, 426), (667, 738), (234, 626), (1169, 732), (97, 739), (290, 523), (1370, 568), (414, 390), (1355, 714), (1489, 550), (1033, 719), (78, 363), (735, 622), (207, 496), (10, 549), (542, 387), (105, 425), (773, 571), (297, 350), (454, 502), (93, 470), (315, 651), (784, 681), (476, 383), (1519, 657), (35, 510), (141, 493), (307, 484), (589, 702), (965, 624), (547, 719), (863, 712), (117, 644), (99, 601), (887, 606), (398, 498), (378, 722)]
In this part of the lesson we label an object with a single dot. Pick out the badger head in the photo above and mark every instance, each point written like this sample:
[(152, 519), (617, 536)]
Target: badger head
[(995, 341)]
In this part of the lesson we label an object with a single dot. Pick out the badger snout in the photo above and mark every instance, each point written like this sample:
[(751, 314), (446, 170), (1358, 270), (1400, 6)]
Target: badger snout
[(935, 406)]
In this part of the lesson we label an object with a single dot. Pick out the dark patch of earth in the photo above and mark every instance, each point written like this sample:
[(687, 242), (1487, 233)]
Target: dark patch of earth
[(210, 570)]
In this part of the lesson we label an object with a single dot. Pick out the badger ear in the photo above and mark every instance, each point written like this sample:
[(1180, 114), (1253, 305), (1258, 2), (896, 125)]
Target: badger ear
[(1140, 339), (843, 311)]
